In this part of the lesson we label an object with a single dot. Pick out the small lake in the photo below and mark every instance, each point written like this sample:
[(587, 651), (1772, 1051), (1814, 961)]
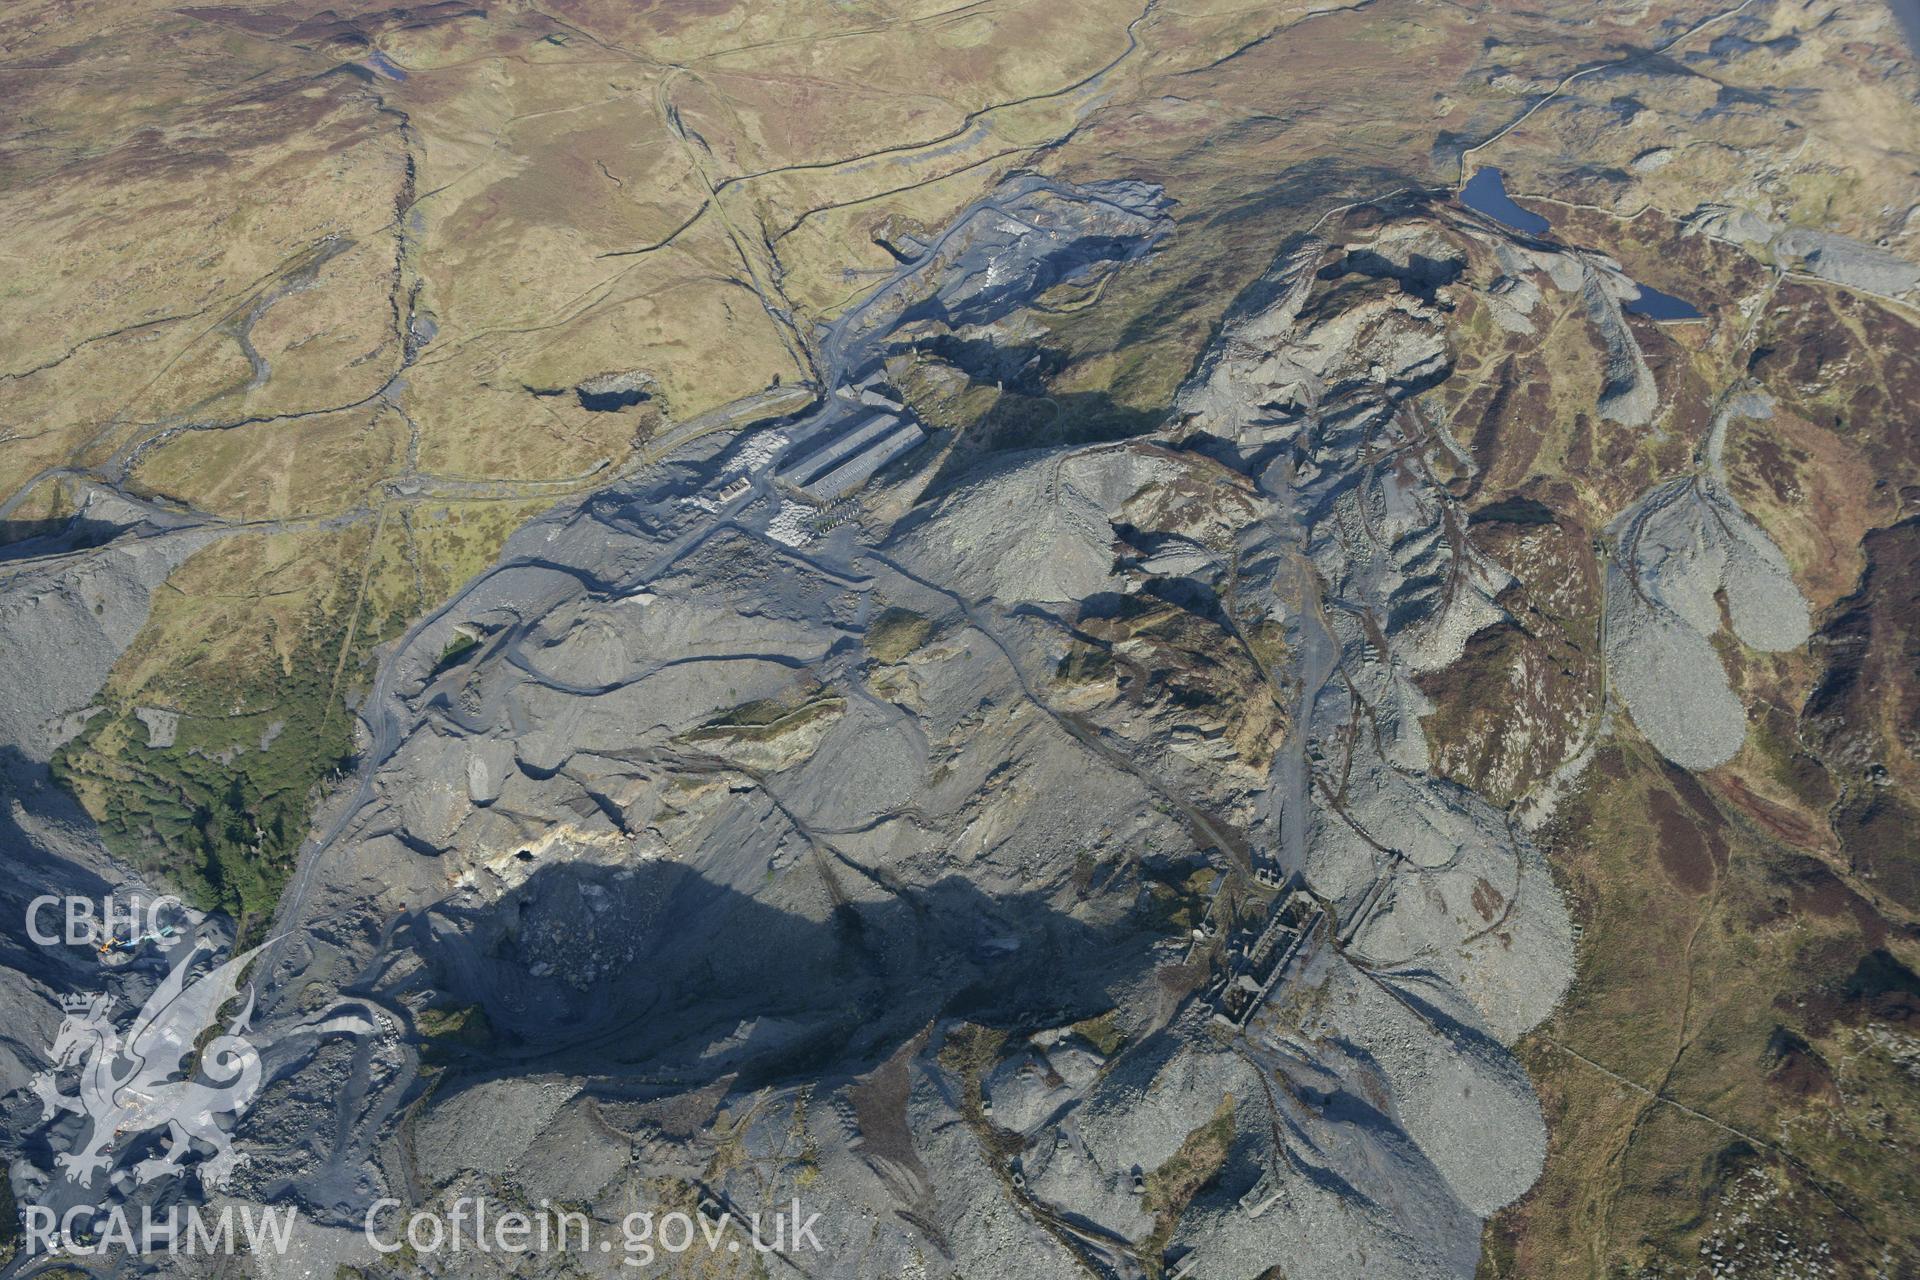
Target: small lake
[(1908, 14), (1486, 192), (1656, 305), (378, 63)]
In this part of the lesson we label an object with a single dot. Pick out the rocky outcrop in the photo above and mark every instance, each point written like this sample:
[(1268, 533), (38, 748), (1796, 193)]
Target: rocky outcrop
[(1686, 557), (800, 920), (668, 781), (1828, 255), (68, 618)]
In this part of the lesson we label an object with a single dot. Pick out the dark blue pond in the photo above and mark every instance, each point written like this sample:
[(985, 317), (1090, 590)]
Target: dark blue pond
[(1486, 192), (379, 63), (1908, 12), (1656, 305)]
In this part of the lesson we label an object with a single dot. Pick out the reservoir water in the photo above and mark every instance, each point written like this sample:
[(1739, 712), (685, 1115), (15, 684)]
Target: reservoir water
[(1656, 305), (1907, 12), (1486, 192)]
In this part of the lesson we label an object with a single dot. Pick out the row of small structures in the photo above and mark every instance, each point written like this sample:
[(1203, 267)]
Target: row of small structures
[(850, 458)]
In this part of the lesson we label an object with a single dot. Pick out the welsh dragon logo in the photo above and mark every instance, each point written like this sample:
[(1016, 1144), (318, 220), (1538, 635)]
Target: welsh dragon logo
[(163, 1072)]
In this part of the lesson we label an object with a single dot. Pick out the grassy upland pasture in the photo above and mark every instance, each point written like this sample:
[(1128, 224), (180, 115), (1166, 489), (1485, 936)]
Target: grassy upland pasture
[(1735, 1066), (274, 283)]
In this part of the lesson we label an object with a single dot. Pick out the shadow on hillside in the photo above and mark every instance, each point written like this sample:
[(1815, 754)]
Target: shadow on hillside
[(711, 981)]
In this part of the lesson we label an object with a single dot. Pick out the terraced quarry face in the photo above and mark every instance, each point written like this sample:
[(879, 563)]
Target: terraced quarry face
[(1089, 639)]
